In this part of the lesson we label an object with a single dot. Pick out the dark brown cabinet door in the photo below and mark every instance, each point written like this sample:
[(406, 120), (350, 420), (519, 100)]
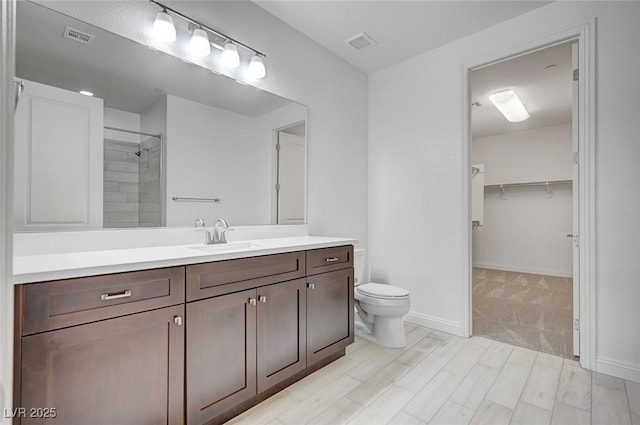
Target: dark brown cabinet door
[(281, 332), (221, 354), (329, 313), (127, 370)]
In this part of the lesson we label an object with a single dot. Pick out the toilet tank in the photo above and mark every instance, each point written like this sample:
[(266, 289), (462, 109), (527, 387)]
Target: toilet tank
[(358, 265)]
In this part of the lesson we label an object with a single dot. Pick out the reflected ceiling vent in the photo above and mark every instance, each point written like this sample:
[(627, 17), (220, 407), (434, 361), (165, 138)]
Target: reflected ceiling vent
[(361, 41), (79, 36)]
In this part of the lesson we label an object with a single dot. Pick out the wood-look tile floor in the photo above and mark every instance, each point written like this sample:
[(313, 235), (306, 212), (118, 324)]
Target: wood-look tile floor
[(443, 379), (528, 310)]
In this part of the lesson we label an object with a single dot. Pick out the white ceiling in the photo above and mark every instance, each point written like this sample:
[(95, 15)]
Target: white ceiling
[(126, 74), (402, 29), (545, 92)]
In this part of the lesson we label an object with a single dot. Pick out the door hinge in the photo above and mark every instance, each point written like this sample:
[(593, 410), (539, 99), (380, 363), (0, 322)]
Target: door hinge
[(576, 74), (576, 157), (576, 324), (278, 147), (278, 187)]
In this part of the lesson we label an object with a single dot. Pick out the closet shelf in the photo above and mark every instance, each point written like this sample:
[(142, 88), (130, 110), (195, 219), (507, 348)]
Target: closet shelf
[(546, 184)]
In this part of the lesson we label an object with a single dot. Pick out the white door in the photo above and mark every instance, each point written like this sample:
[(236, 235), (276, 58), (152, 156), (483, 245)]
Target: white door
[(58, 159), (290, 186), (575, 129)]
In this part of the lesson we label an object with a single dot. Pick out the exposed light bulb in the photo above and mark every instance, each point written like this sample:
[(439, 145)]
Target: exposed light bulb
[(230, 57), (199, 43), (509, 104), (256, 67), (86, 93), (163, 28)]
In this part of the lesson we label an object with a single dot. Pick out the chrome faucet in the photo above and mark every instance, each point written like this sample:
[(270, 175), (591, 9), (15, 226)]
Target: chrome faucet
[(219, 233), (199, 222)]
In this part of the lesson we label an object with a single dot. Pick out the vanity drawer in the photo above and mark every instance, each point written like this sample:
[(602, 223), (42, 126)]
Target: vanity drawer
[(61, 303), (222, 277), (329, 259)]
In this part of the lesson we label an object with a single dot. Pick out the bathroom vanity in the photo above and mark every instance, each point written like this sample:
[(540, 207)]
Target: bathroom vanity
[(196, 343)]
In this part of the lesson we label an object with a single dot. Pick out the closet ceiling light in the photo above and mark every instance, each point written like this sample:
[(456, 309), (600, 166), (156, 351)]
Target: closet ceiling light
[(509, 105), (256, 67), (199, 43), (85, 92), (230, 57), (163, 28)]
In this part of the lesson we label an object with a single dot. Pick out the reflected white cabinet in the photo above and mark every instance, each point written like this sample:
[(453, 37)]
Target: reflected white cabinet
[(58, 159)]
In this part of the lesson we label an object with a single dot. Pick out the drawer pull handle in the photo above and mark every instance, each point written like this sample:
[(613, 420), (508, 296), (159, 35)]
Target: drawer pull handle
[(263, 299), (177, 320), (115, 295), (331, 259), (311, 285), (252, 301)]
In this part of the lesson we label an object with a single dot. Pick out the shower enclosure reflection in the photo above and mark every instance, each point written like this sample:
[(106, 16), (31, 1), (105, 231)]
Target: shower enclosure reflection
[(133, 179)]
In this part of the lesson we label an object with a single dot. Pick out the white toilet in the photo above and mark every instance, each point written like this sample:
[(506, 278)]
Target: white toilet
[(380, 308)]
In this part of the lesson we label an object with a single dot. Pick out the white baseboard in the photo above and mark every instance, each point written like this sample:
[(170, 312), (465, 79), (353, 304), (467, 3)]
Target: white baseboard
[(436, 323), (518, 269), (618, 368)]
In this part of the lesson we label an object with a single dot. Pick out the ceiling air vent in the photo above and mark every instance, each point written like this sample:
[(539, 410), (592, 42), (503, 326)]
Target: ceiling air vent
[(79, 36), (361, 41)]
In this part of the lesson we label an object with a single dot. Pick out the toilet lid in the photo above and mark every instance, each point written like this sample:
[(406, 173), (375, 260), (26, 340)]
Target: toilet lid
[(381, 290)]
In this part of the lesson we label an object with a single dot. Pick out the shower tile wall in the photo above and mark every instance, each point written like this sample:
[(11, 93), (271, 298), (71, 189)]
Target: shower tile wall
[(121, 169), (150, 198)]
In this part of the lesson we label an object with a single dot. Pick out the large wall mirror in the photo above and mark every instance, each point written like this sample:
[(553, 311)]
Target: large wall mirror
[(161, 143)]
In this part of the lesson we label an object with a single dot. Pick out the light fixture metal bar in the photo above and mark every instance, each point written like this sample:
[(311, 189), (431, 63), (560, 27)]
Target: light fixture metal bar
[(211, 30)]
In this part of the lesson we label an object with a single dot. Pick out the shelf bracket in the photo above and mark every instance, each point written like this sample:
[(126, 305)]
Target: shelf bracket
[(548, 188), (503, 192)]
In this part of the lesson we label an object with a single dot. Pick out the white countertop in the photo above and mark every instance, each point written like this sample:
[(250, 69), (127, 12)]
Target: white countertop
[(40, 268)]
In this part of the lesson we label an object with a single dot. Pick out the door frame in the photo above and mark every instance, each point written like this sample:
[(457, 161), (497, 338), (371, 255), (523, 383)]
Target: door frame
[(7, 106), (584, 34), (275, 168)]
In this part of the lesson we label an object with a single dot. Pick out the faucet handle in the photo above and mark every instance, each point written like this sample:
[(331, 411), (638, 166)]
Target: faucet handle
[(208, 238), (223, 236)]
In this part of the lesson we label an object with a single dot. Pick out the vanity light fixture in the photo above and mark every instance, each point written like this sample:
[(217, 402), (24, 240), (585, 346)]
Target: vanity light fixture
[(509, 105), (200, 43), (163, 28)]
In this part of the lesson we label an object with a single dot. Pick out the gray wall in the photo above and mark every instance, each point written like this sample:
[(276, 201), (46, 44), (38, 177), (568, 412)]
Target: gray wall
[(132, 195), (120, 184)]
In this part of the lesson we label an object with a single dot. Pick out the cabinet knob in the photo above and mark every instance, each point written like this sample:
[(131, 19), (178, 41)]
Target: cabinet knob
[(252, 301), (177, 320), (311, 285), (263, 299)]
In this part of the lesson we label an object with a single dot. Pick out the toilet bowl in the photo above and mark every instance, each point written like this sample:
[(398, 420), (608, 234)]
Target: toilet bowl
[(380, 308)]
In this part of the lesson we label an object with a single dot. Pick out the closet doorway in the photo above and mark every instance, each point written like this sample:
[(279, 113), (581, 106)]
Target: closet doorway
[(525, 202)]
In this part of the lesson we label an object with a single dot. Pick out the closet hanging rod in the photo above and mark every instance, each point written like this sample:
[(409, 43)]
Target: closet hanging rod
[(140, 133), (527, 184)]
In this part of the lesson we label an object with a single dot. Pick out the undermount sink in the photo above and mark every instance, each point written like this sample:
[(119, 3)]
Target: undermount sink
[(229, 246)]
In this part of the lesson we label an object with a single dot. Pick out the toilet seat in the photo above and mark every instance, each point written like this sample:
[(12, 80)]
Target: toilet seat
[(382, 291)]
